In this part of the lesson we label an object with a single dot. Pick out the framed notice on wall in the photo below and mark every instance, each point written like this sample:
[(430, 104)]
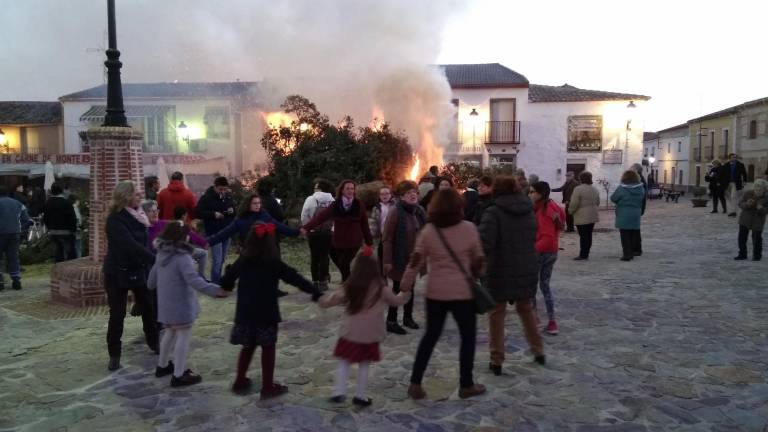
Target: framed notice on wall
[(585, 133), (613, 157)]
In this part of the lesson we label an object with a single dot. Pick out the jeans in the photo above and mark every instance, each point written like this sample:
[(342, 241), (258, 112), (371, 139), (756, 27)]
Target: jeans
[(407, 308), (757, 242), (463, 312), (496, 318), (343, 260), (65, 247), (585, 239), (319, 250), (78, 246), (546, 263), (200, 256), (733, 196), (630, 242), (9, 247), (218, 256), (117, 298)]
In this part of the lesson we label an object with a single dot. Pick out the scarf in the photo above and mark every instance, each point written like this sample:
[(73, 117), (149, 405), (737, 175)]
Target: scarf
[(139, 215), (400, 252), (347, 202)]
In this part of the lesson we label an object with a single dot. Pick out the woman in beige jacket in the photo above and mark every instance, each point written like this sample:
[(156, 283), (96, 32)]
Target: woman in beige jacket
[(584, 208)]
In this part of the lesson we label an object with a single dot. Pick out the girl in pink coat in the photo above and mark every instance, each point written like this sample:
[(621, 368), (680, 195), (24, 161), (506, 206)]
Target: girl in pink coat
[(366, 297)]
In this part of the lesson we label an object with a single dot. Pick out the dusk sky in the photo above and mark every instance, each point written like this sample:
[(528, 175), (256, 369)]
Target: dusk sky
[(691, 57)]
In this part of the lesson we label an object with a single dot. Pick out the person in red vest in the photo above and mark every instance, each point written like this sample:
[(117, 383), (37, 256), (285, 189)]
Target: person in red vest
[(176, 195)]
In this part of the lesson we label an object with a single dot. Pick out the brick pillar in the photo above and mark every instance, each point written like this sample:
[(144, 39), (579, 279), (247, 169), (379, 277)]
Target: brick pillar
[(116, 155)]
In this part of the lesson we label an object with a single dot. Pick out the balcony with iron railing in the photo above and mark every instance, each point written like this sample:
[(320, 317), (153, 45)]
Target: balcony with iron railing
[(502, 132)]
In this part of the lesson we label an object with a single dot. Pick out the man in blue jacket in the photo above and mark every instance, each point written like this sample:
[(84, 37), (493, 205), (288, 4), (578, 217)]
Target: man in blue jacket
[(13, 220), (217, 209)]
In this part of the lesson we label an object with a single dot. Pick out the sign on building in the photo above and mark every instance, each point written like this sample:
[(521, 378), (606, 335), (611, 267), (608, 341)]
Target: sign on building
[(613, 157), (585, 133)]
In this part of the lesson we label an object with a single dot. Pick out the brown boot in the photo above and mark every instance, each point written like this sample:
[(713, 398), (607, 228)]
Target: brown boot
[(416, 392), (468, 392)]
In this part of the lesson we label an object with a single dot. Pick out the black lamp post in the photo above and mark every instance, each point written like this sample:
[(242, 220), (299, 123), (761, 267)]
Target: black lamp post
[(115, 111)]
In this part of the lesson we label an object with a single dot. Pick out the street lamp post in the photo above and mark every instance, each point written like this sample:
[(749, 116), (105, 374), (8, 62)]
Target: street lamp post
[(115, 111)]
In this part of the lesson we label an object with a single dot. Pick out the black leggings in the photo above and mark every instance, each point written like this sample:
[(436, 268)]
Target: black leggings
[(407, 308), (585, 239), (463, 312), (343, 260), (117, 298), (718, 194), (319, 248), (630, 242)]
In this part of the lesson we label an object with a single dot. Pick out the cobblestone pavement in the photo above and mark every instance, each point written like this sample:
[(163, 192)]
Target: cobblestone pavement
[(674, 340)]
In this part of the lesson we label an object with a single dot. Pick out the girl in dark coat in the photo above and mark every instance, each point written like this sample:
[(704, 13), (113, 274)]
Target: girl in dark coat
[(259, 269), (508, 233), (350, 227), (250, 212), (126, 267)]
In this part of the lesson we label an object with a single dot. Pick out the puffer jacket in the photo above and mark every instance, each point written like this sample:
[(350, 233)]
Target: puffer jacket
[(176, 195), (508, 234), (630, 205), (548, 232), (175, 277)]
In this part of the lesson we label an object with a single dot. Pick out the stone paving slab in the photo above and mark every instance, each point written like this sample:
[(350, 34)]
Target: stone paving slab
[(674, 340)]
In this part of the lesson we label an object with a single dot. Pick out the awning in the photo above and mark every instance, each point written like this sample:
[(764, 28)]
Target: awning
[(97, 112)]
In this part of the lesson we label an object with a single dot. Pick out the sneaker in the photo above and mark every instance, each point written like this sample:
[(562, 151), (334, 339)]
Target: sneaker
[(416, 392), (468, 392), (496, 369), (394, 327), (187, 379), (362, 402), (114, 363), (274, 391), (16, 284), (552, 328), (580, 258), (740, 257), (626, 258), (410, 323), (164, 371), (338, 398), (242, 386)]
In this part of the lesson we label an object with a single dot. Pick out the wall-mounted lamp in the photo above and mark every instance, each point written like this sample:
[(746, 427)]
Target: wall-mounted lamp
[(474, 113), (181, 130), (631, 104)]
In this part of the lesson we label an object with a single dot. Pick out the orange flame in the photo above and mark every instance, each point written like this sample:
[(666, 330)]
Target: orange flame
[(377, 118), (277, 119), (414, 175)]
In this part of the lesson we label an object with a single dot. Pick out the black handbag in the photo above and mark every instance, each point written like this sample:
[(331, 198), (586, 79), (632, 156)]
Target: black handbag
[(130, 278), (481, 297)]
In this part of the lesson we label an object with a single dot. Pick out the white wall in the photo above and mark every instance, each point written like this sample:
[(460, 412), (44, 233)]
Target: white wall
[(192, 112), (544, 139), (666, 160)]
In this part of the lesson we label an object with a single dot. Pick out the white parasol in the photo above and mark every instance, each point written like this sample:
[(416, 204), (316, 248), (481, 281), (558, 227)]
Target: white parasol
[(162, 173), (49, 176)]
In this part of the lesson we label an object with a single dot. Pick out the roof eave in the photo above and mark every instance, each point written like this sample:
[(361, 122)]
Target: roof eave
[(488, 86)]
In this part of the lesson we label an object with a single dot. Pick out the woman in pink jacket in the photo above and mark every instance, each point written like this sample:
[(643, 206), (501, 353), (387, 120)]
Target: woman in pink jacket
[(549, 221)]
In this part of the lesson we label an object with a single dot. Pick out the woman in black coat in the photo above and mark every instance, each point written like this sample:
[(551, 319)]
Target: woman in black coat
[(126, 267)]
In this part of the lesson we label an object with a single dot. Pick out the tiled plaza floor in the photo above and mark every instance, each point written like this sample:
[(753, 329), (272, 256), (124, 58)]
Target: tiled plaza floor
[(674, 340)]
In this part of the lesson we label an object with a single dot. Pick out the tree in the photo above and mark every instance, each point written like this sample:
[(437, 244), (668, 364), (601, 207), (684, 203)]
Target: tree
[(312, 147)]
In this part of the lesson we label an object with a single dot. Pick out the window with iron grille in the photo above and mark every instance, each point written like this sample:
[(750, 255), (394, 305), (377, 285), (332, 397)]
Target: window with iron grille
[(753, 129), (217, 122)]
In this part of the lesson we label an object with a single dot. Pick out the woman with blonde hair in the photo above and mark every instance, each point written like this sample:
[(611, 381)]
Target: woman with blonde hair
[(126, 267)]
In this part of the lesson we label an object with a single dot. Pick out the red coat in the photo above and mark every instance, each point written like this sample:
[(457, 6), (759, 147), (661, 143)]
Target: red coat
[(176, 195), (547, 231), (350, 228)]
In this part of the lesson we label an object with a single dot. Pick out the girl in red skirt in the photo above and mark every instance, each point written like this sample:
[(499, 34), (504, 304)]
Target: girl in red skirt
[(367, 298)]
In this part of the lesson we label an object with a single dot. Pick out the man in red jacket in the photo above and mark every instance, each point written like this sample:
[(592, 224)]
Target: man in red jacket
[(176, 195)]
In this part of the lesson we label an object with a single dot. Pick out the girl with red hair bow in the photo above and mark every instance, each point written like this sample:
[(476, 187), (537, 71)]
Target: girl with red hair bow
[(259, 270)]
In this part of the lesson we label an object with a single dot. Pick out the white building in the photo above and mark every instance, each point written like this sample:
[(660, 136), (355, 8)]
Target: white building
[(210, 121), (670, 151), (546, 130)]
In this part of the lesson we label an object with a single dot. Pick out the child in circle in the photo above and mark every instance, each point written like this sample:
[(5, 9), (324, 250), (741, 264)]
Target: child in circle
[(367, 298), (259, 269)]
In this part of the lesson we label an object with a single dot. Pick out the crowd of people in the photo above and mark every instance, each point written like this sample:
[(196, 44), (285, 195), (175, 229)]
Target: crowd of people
[(503, 232)]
